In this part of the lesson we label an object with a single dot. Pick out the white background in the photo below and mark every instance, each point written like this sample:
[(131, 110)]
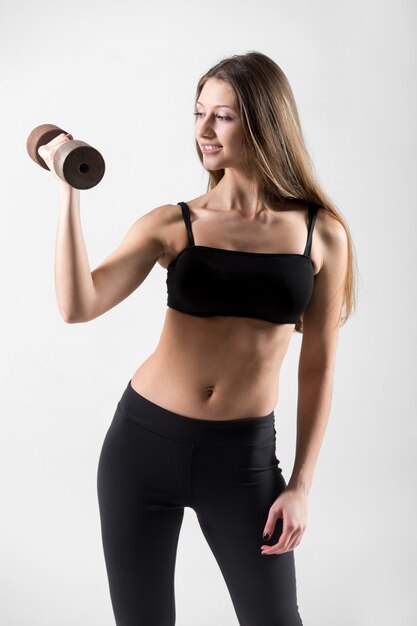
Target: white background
[(122, 76)]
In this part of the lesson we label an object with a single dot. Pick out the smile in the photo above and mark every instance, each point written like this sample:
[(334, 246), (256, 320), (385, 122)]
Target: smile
[(211, 149)]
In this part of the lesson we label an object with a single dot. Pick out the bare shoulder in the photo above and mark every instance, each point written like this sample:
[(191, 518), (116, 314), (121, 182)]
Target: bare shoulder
[(166, 222), (157, 221), (332, 235), (160, 216), (333, 240), (170, 223), (331, 230)]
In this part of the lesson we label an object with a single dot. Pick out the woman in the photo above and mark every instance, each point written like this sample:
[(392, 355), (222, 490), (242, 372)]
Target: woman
[(195, 424)]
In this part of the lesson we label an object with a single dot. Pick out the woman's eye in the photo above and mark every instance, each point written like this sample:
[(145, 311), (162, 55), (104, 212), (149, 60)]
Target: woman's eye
[(220, 117)]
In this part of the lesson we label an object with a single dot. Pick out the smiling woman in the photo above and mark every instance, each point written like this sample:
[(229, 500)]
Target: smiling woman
[(262, 253), (225, 134)]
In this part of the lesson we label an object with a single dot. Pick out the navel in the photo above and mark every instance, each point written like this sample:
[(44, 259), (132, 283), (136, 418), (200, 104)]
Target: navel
[(209, 391)]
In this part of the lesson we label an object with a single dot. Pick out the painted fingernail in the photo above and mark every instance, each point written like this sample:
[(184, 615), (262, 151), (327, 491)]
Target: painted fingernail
[(266, 536)]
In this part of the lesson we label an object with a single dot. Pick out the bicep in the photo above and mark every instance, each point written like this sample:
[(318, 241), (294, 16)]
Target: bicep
[(321, 320), (125, 269)]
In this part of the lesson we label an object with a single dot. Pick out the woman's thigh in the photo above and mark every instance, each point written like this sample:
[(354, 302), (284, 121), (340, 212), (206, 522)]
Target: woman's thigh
[(141, 512), (233, 489)]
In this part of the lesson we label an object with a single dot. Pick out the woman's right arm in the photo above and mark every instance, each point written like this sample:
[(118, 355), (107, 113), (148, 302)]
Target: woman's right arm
[(83, 294), (73, 280)]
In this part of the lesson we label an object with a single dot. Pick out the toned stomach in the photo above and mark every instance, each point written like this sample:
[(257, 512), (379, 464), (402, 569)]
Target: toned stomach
[(219, 368)]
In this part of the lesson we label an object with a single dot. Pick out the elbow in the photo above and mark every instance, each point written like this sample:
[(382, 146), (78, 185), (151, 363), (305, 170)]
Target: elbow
[(70, 317), (72, 314), (72, 320)]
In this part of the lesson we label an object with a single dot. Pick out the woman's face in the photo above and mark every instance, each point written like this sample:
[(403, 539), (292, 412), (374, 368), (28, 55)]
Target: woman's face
[(218, 123)]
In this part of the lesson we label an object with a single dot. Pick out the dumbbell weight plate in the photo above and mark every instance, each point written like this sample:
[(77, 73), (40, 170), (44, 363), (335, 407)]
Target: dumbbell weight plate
[(79, 164), (39, 137)]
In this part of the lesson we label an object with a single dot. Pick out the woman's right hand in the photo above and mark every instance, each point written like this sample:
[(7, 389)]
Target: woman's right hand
[(47, 152)]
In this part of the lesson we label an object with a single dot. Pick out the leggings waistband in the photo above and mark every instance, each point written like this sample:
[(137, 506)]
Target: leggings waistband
[(253, 431)]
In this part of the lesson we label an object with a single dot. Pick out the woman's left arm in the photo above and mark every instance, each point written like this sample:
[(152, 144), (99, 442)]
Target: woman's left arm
[(321, 322)]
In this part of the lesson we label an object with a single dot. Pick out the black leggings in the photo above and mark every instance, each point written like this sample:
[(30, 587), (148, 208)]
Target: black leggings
[(153, 463)]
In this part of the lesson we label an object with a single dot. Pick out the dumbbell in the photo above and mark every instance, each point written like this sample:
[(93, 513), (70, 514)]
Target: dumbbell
[(75, 162)]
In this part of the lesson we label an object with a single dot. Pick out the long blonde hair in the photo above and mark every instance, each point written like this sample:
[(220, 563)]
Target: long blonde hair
[(274, 146)]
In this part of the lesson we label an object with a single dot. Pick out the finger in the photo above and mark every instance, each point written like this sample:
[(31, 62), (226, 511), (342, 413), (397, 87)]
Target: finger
[(279, 547), (297, 543), (288, 530), (57, 139), (285, 538), (270, 526), (273, 525), (293, 541)]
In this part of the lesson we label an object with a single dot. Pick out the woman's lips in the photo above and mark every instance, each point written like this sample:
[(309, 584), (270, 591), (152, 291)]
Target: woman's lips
[(214, 151)]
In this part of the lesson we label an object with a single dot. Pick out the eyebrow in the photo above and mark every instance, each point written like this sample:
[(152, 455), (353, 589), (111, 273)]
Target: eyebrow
[(217, 105)]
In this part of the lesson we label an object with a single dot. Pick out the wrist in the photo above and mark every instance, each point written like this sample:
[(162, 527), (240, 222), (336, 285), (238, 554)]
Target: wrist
[(299, 484), (66, 190)]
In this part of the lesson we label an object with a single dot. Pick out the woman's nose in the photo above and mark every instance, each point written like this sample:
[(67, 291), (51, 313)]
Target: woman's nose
[(205, 126)]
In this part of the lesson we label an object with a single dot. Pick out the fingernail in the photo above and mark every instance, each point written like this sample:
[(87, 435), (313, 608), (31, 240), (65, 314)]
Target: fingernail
[(265, 536)]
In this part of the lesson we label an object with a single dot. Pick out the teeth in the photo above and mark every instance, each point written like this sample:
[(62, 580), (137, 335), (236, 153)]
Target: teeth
[(211, 147)]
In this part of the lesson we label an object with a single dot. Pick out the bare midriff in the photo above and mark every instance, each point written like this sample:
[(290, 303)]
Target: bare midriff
[(219, 368)]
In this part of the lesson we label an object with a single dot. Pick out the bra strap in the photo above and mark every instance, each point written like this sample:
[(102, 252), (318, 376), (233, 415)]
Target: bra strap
[(312, 214), (187, 220)]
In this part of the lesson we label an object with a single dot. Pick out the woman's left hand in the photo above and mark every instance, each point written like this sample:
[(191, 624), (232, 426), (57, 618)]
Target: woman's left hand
[(291, 505)]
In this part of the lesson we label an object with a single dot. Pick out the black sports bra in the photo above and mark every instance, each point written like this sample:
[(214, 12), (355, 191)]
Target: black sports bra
[(206, 281)]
